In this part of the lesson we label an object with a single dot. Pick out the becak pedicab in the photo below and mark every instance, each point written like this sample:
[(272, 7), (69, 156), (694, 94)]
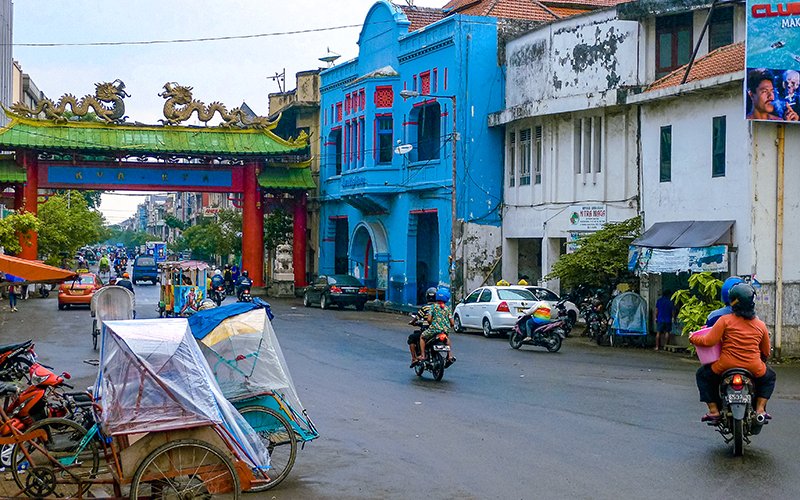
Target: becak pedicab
[(110, 303), (245, 357), (183, 287)]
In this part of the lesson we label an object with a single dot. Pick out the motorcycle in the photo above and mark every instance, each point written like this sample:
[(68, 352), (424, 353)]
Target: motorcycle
[(738, 420), (15, 360), (597, 321), (218, 295), (244, 291), (436, 351), (550, 335), (567, 320), (44, 291)]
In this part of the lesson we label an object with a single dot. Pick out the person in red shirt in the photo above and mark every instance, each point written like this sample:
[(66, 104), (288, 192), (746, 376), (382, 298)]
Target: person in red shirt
[(745, 344)]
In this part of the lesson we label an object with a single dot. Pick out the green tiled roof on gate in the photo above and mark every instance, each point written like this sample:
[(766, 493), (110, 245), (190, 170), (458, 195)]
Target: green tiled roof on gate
[(26, 133), (11, 172), (292, 177)]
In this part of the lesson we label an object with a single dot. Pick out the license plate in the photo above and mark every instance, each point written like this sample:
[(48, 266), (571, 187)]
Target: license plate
[(738, 398), (441, 348), (76, 292)]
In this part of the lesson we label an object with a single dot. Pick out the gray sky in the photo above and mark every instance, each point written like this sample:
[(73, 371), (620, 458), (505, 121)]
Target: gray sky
[(228, 71)]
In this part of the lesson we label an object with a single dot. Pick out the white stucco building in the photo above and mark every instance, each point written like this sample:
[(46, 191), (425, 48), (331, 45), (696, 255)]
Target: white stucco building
[(569, 141), (612, 124)]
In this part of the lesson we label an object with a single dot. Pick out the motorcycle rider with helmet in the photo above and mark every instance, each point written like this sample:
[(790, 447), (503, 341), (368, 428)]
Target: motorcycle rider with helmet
[(217, 279), (745, 344), (440, 319), (729, 283), (413, 339), (243, 284)]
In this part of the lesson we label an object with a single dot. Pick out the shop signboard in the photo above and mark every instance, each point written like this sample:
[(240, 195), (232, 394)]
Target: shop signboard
[(673, 260), (587, 217), (772, 61)]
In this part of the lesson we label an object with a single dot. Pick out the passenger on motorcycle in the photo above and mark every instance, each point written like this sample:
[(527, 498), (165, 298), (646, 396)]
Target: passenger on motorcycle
[(440, 319), (745, 344), (729, 283), (540, 315), (424, 311)]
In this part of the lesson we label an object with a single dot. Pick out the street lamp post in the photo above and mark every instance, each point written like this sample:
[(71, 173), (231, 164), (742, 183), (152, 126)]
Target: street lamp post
[(405, 94)]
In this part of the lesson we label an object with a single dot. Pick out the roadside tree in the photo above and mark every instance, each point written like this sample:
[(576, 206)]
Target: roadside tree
[(14, 225), (67, 224)]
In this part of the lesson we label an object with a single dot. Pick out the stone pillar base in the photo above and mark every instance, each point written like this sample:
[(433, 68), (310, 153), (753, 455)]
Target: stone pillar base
[(282, 289)]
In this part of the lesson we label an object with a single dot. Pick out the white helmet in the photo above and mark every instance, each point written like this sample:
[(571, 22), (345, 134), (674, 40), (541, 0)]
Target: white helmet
[(217, 272)]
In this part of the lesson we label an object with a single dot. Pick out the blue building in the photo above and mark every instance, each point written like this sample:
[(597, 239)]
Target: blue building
[(386, 217)]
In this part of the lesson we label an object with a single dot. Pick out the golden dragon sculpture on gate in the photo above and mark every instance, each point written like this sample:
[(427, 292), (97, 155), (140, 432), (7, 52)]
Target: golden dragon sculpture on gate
[(180, 106), (106, 92)]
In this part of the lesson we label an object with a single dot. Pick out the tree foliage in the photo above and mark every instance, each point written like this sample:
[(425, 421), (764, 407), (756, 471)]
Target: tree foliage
[(93, 198), (174, 222), (114, 235), (696, 302), (67, 224), (601, 258), (278, 226), (212, 238), (13, 226)]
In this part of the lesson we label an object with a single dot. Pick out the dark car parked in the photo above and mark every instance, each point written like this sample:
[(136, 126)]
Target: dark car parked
[(337, 289), (145, 269)]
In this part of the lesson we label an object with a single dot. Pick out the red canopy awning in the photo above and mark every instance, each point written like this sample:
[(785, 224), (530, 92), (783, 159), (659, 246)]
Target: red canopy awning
[(33, 271)]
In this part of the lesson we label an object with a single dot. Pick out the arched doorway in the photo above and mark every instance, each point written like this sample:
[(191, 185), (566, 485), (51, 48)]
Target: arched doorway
[(369, 240)]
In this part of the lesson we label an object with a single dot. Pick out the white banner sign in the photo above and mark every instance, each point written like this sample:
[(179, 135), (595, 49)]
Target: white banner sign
[(672, 260), (587, 217)]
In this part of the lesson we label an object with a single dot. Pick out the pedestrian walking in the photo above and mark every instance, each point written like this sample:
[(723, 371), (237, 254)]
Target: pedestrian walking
[(665, 313), (12, 297)]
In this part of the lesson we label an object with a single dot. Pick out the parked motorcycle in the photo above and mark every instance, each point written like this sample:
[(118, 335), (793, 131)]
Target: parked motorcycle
[(550, 335), (738, 421), (436, 351), (218, 295), (44, 290), (567, 320), (15, 360), (596, 317)]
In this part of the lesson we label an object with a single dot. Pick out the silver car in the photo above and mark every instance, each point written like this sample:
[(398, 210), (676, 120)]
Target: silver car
[(492, 309), (552, 298)]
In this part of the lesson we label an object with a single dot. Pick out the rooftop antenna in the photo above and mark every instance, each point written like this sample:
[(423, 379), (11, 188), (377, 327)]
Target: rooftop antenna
[(280, 78), (330, 57)]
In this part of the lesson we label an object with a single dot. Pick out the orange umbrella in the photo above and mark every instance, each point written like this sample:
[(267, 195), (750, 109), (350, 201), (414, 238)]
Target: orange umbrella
[(33, 271)]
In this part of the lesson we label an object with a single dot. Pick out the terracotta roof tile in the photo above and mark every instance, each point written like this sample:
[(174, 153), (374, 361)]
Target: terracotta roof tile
[(724, 60), (421, 16), (537, 10)]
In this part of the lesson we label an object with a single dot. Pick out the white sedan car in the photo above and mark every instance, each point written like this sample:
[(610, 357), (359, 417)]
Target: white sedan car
[(492, 309)]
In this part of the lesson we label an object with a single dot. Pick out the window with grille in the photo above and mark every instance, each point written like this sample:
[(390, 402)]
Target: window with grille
[(718, 147), (362, 137), (384, 97), (512, 154), (385, 139), (338, 111), (335, 150), (525, 157), (425, 82)]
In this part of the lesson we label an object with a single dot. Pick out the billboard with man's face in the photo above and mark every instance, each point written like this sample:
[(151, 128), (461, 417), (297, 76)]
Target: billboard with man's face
[(772, 62)]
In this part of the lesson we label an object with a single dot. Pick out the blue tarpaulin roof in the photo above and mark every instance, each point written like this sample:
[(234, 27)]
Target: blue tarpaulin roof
[(203, 322)]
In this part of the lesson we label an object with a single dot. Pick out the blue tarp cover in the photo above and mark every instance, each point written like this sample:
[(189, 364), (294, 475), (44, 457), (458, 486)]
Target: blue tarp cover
[(202, 322)]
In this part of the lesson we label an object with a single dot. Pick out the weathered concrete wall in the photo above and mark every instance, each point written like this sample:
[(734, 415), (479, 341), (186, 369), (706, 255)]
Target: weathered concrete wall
[(578, 56), (765, 307), (480, 247)]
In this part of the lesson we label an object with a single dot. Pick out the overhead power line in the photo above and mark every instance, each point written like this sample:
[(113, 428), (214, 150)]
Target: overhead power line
[(185, 40)]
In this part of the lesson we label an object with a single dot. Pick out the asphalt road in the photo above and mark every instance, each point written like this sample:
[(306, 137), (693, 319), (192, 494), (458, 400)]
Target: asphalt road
[(587, 422)]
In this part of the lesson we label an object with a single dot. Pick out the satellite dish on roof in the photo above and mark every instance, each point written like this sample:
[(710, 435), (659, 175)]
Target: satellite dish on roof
[(403, 149), (330, 57)]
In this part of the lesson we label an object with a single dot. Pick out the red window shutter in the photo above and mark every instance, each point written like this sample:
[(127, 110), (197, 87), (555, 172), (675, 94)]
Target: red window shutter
[(384, 97)]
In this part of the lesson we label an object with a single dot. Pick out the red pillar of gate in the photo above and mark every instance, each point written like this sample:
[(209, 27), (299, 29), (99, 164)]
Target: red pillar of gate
[(30, 243), (253, 226), (19, 196), (299, 250)]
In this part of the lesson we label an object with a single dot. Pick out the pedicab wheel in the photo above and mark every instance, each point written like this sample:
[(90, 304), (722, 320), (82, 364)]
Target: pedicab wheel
[(63, 443), (187, 468), (280, 439)]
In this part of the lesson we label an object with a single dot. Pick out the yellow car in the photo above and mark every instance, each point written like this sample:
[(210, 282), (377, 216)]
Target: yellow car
[(79, 291)]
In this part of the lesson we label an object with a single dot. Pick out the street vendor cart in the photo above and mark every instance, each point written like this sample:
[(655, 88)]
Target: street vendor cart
[(183, 287)]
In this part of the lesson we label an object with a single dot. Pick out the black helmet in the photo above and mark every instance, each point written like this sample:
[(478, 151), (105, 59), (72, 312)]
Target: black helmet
[(743, 300), (244, 273), (430, 295)]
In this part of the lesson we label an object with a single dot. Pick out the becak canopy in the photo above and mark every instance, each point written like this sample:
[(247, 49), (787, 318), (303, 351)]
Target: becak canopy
[(153, 377), (32, 271), (243, 352)]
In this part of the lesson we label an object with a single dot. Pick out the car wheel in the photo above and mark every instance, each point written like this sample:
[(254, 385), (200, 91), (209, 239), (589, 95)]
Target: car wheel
[(306, 302), (324, 303), (487, 328), (459, 328), (60, 307)]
